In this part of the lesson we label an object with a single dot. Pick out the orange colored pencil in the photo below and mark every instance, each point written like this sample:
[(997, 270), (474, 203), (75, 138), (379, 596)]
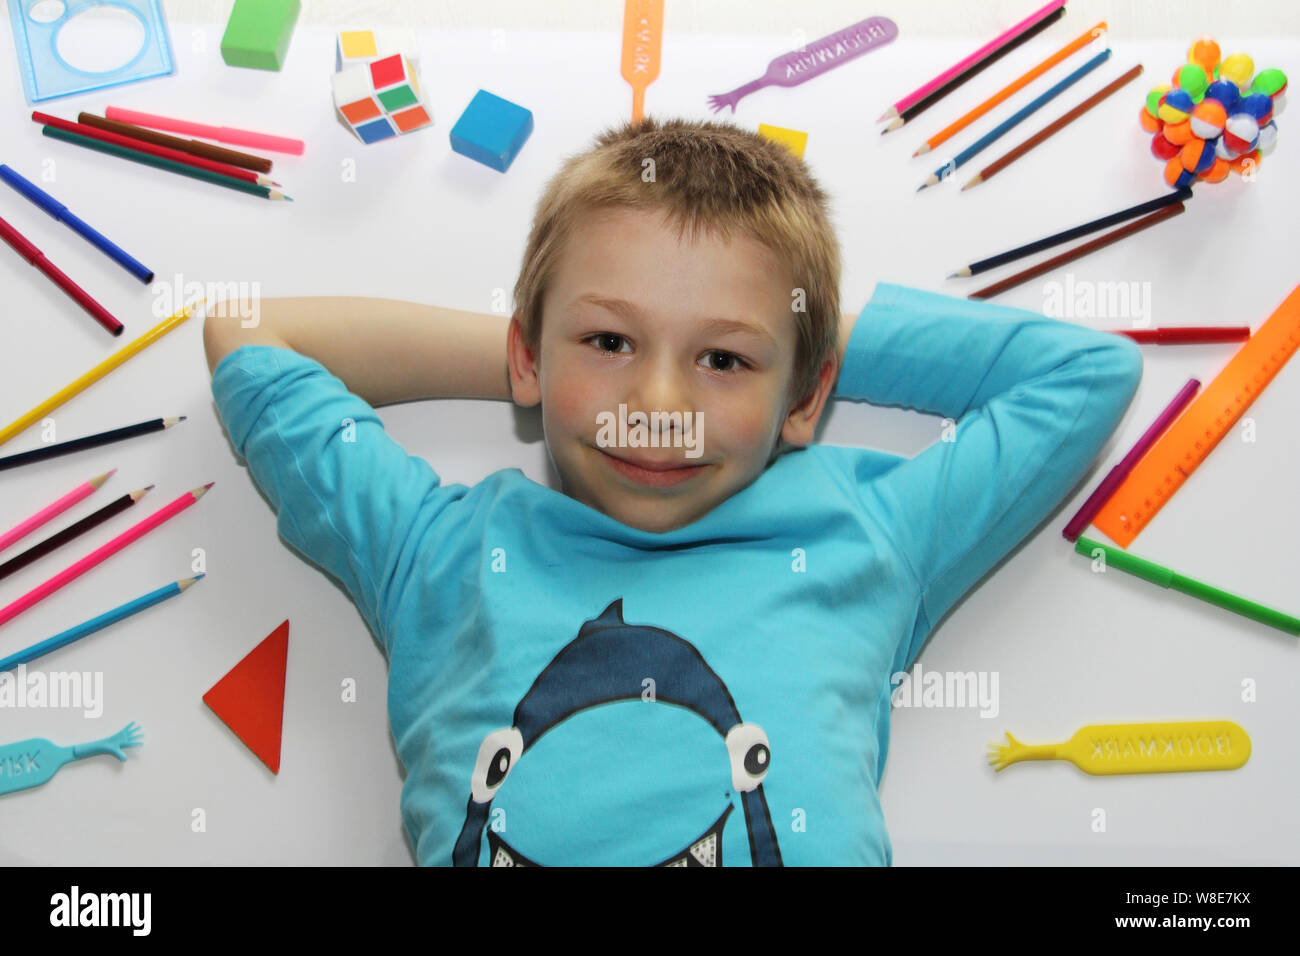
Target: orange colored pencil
[(1012, 88)]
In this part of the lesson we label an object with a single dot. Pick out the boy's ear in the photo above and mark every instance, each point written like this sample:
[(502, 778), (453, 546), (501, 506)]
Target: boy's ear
[(801, 423), (525, 387)]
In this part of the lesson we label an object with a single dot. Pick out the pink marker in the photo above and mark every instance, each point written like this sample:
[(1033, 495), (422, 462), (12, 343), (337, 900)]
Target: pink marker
[(919, 94), (222, 134), (99, 554), (1117, 474), (84, 490)]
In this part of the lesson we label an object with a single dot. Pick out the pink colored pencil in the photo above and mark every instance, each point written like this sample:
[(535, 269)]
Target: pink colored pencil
[(106, 551), (222, 134), (1001, 40), (1097, 500), (84, 490)]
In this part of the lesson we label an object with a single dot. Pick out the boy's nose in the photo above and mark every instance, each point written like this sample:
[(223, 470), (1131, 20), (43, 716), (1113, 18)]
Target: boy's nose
[(660, 390)]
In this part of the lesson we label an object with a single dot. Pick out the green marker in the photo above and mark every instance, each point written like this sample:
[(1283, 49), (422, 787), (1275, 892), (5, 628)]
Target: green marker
[(1170, 579)]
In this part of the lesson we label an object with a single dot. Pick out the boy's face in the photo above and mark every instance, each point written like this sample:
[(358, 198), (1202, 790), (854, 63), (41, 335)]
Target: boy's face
[(634, 318)]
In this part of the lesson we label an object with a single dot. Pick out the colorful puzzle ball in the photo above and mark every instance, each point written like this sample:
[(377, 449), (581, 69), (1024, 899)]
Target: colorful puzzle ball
[(1267, 137), (492, 130), (1162, 149), (1208, 119), (1197, 156), (1218, 172), (1205, 53), (1245, 162), (1180, 134), (1239, 68), (361, 47), (1258, 105), (1149, 123), (1224, 92), (1155, 97), (1176, 176), (1224, 151), (1175, 106), (1241, 133), (1270, 82), (1192, 79)]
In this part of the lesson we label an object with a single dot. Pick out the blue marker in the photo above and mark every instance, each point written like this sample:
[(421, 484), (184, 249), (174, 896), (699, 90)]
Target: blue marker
[(27, 655), (61, 212), (966, 154)]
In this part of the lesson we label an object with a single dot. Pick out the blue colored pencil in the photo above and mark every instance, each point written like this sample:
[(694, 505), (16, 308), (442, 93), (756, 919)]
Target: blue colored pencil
[(61, 212), (970, 151), (30, 654)]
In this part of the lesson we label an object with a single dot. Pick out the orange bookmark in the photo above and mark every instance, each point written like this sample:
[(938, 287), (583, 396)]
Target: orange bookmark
[(643, 27), (250, 699)]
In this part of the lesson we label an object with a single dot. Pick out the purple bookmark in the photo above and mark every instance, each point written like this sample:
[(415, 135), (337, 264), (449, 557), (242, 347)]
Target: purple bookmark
[(1117, 474), (791, 69)]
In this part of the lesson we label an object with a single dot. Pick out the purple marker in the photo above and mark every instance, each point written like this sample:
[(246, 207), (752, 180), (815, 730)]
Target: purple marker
[(1117, 474), (791, 69)]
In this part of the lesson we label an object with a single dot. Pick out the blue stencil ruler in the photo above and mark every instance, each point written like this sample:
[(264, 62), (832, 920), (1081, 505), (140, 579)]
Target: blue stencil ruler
[(46, 74)]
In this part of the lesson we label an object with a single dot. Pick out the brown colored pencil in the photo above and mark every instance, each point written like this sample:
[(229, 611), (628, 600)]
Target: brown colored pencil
[(1078, 252), (218, 153), (1003, 162)]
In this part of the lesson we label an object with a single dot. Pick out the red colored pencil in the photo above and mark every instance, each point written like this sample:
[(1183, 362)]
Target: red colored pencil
[(79, 295), (165, 152), (1189, 334), (79, 568)]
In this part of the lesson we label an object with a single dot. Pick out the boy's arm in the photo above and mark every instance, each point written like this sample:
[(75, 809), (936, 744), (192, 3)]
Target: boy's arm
[(383, 350), (1033, 399)]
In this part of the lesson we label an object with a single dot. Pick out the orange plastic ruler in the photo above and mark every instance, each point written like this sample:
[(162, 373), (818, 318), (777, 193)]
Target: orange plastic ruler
[(1201, 426)]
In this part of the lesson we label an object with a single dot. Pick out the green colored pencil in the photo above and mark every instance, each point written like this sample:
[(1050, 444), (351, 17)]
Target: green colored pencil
[(1156, 574), (150, 160)]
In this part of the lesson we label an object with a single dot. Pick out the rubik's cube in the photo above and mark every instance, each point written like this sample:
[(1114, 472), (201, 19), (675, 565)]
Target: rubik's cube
[(381, 99), (359, 47)]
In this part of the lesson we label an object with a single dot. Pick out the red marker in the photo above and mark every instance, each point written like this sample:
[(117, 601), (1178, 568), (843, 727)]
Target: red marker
[(1190, 335), (37, 258)]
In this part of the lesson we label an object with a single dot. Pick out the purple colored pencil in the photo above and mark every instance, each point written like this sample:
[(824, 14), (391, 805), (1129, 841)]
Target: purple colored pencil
[(1117, 474)]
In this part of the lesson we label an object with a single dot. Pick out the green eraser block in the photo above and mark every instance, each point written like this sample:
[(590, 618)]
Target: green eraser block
[(258, 33)]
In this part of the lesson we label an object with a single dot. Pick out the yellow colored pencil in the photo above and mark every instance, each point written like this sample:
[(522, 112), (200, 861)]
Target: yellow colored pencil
[(957, 126), (95, 374)]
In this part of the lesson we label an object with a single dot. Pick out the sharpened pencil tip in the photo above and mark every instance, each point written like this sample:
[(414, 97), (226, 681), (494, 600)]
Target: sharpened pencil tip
[(953, 275), (208, 485), (922, 186)]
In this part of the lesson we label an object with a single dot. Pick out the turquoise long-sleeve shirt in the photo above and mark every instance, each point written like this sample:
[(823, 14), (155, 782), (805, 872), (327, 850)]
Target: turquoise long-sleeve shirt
[(567, 690)]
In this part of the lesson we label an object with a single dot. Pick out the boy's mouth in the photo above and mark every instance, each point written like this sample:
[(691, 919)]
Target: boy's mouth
[(657, 473)]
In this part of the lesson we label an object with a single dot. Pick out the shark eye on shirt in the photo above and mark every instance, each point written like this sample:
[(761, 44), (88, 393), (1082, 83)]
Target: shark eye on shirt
[(750, 754), (496, 756)]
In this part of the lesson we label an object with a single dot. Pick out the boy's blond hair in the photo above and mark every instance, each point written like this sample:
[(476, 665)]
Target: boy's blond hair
[(707, 177)]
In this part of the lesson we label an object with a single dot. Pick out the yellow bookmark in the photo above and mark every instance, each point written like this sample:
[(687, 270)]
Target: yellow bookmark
[(1139, 748)]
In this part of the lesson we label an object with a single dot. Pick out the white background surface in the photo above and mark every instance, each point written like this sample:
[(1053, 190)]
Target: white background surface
[(423, 223)]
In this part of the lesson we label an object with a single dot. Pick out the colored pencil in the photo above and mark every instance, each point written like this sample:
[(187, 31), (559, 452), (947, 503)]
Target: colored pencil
[(75, 530), (1055, 126), (969, 153), (955, 73), (1188, 334), (23, 246), (184, 169), (1079, 252), (1157, 574), (29, 654), (916, 109), (199, 148), (162, 152), (24, 528), (1132, 212), (63, 214), (95, 374), (222, 134), (1116, 475), (959, 124), (89, 441), (79, 568)]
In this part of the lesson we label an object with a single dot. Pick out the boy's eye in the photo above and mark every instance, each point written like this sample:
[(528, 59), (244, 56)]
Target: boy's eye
[(607, 341), (728, 361)]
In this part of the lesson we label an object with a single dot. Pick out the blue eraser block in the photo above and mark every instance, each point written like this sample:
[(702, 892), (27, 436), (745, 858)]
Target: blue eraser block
[(492, 130)]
